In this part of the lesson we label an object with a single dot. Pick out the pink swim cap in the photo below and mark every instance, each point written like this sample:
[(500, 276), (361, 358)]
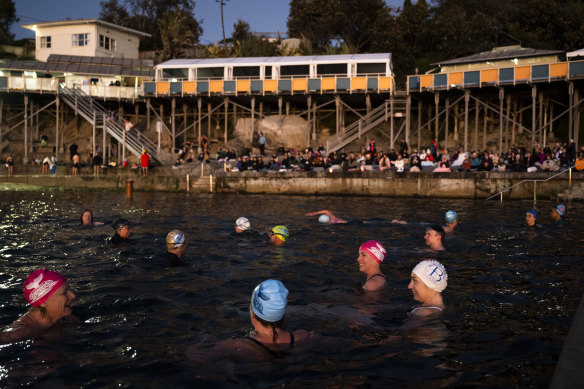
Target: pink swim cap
[(41, 284), (375, 249)]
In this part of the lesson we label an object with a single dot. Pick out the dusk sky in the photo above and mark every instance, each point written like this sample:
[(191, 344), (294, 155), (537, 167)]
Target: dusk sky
[(262, 15)]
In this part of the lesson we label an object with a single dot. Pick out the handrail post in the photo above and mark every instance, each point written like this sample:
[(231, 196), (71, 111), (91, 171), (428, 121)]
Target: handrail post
[(534, 193), (570, 179)]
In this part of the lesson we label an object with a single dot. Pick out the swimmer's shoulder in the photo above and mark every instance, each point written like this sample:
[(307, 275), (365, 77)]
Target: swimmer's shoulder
[(304, 336), (426, 312), (375, 282)]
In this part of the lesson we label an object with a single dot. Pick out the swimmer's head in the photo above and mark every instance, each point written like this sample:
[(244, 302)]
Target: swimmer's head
[(41, 284), (432, 273), (533, 212), (437, 229), (324, 219), (281, 232), (450, 216), (374, 249), (175, 240), (86, 217), (119, 224), (269, 300), (560, 209), (242, 224)]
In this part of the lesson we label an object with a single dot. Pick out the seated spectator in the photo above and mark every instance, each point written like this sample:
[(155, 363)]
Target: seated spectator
[(416, 164), (399, 163), (550, 165), (458, 160), (466, 164), (485, 166), (580, 162), (520, 163), (475, 162)]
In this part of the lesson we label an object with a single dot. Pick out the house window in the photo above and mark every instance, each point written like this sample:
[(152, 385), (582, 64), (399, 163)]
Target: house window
[(45, 42), (80, 39), (105, 42)]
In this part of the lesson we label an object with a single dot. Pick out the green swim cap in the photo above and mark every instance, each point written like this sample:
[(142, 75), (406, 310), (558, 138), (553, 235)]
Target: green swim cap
[(282, 232)]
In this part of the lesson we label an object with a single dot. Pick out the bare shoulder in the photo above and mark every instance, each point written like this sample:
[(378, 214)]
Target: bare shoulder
[(303, 335), (375, 283), (426, 312), (237, 349), (21, 329)]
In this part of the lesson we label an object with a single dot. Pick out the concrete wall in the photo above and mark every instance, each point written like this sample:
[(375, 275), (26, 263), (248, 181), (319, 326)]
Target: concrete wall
[(449, 185), (436, 185)]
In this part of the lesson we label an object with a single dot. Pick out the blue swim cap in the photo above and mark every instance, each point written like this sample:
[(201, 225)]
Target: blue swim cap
[(450, 216), (281, 232), (269, 300), (533, 212), (324, 218), (561, 209)]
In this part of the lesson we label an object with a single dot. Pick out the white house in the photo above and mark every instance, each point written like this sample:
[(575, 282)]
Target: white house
[(85, 37)]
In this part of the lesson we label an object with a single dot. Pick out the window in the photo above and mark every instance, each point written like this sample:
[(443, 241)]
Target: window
[(80, 39), (45, 42), (105, 42)]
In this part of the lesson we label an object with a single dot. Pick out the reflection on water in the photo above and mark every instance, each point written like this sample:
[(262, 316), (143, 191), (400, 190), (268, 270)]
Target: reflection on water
[(510, 299)]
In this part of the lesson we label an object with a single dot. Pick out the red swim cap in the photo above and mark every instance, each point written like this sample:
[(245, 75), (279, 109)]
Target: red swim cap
[(41, 284), (375, 249)]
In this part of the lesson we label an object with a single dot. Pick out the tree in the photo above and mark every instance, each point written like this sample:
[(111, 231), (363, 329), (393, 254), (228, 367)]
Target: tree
[(176, 37), (7, 18), (357, 23), (143, 15), (246, 44)]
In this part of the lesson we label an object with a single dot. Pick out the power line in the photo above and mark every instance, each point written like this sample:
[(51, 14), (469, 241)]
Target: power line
[(33, 19)]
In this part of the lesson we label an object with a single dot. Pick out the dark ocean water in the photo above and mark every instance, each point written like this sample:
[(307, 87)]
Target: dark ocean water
[(511, 296)]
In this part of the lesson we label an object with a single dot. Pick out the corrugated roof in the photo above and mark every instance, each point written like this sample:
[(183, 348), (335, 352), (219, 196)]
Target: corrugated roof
[(500, 54), (257, 61)]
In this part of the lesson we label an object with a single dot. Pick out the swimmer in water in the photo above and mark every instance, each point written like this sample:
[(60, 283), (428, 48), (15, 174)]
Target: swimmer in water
[(50, 298), (530, 218), (429, 279), (267, 310), (371, 255), (557, 213), (451, 221), (279, 235), (242, 225), (122, 231), (87, 219), (433, 237), (176, 246), (326, 216)]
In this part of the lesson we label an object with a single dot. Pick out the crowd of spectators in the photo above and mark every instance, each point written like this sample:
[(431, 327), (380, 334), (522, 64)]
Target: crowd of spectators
[(517, 158)]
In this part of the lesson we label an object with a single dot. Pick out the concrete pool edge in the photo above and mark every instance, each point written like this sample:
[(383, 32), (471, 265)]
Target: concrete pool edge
[(470, 185), (568, 372)]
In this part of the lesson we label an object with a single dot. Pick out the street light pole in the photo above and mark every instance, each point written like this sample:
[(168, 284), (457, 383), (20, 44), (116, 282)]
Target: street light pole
[(222, 3)]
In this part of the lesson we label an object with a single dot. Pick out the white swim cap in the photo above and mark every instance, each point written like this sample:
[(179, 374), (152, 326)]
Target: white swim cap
[(433, 274), (324, 218), (243, 224)]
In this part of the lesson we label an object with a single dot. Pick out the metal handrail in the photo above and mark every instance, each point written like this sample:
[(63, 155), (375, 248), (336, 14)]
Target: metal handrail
[(534, 181)]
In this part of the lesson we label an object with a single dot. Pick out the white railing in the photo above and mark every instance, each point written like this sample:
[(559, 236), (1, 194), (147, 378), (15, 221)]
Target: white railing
[(30, 84)]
